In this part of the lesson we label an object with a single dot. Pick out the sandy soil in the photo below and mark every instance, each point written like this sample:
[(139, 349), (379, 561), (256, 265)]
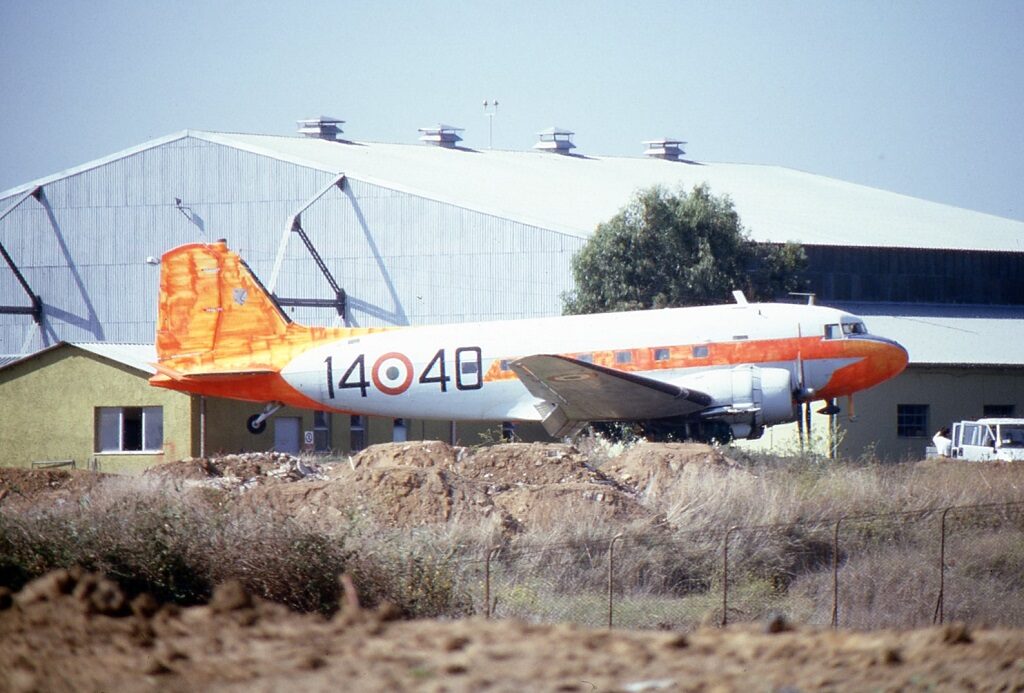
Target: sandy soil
[(76, 632)]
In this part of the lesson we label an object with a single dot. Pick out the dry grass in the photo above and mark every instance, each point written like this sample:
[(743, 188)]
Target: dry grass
[(152, 537), (668, 571)]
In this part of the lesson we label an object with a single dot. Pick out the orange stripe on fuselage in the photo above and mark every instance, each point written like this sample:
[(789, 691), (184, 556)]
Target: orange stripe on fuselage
[(877, 360)]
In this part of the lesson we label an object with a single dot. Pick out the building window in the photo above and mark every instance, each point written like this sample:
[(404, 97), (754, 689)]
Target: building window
[(661, 354), (357, 433), (321, 431), (129, 429), (700, 351), (912, 420), (623, 356), (997, 411), (585, 358)]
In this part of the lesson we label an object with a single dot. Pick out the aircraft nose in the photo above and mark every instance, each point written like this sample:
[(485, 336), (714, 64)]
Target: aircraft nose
[(874, 360), (890, 359)]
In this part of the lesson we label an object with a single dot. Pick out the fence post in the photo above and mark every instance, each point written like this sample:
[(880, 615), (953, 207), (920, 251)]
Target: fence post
[(725, 576), (487, 580), (940, 602), (611, 581), (835, 574)]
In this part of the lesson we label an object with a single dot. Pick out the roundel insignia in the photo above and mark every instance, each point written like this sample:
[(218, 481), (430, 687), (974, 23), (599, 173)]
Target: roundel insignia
[(392, 373), (570, 377)]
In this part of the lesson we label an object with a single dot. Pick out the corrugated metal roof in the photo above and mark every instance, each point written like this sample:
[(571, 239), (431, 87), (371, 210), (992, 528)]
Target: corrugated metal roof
[(942, 340), (573, 194), (138, 356)]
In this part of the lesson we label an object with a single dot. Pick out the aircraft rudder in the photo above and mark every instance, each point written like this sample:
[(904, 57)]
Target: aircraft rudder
[(210, 300)]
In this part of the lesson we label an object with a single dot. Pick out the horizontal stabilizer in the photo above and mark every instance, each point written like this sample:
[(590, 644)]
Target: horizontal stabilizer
[(173, 374), (579, 391)]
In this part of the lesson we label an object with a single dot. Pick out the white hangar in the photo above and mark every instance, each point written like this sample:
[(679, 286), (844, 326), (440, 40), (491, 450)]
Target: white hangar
[(373, 233)]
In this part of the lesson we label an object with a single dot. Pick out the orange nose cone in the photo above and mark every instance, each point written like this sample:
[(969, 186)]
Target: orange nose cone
[(878, 360)]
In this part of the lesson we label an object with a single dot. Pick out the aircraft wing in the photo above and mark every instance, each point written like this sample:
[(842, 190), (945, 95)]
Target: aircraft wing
[(576, 392)]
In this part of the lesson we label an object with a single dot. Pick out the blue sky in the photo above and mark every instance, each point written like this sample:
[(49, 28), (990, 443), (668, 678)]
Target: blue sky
[(922, 98)]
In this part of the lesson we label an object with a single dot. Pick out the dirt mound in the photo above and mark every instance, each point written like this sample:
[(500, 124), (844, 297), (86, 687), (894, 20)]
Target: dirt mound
[(428, 453), (519, 485), (652, 469), (70, 631), (508, 463), (529, 463), (395, 496), (236, 472), (22, 488), (547, 506)]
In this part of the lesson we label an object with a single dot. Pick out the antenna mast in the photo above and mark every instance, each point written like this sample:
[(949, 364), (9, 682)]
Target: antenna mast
[(490, 120)]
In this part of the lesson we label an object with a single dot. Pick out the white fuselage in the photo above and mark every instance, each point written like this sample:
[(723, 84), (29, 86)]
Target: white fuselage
[(458, 371)]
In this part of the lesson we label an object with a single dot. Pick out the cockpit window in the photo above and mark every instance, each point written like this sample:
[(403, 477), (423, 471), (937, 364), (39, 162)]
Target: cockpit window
[(846, 329)]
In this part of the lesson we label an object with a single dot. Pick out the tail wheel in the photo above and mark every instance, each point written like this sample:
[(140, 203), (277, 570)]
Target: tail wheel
[(254, 424)]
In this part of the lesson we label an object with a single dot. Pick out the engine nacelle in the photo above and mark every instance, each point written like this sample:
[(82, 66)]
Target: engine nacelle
[(748, 398)]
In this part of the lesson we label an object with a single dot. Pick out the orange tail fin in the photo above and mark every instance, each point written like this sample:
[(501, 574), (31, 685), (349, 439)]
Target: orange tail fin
[(211, 301)]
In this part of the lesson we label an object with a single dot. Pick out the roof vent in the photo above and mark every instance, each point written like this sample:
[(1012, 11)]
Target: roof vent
[(321, 128), (664, 149), (441, 135), (555, 140)]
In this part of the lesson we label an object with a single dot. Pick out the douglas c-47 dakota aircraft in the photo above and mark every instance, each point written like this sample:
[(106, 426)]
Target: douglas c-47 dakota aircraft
[(220, 333)]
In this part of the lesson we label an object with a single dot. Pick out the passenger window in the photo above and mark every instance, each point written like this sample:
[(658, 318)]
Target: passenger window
[(661, 354), (700, 351)]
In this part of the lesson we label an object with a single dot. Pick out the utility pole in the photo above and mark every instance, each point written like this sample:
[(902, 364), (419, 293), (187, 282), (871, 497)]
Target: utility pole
[(490, 120)]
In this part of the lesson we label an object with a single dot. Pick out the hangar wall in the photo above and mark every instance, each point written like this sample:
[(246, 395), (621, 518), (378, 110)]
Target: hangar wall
[(403, 259)]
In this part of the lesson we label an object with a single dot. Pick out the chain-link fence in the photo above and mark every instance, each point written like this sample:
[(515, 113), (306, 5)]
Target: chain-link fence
[(867, 571)]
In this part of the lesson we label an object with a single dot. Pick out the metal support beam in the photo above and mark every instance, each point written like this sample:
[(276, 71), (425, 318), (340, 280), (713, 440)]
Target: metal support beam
[(36, 307), (295, 226)]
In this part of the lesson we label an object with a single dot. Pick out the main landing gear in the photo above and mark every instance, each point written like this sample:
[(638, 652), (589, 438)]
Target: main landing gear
[(257, 423)]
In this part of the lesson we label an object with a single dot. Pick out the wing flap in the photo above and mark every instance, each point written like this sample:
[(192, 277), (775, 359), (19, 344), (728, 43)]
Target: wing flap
[(579, 392)]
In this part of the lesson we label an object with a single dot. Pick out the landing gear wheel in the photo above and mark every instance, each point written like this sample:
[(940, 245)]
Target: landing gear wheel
[(256, 428)]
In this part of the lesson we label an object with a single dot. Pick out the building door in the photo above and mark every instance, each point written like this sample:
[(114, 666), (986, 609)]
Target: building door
[(287, 434)]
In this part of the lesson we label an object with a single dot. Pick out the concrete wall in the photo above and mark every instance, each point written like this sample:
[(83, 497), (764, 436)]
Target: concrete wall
[(951, 393), (49, 405), (226, 431)]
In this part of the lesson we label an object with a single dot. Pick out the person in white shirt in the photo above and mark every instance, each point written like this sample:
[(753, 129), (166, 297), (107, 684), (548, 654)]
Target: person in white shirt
[(943, 443)]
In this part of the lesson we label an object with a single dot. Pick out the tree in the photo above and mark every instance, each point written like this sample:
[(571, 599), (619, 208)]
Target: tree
[(668, 249)]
